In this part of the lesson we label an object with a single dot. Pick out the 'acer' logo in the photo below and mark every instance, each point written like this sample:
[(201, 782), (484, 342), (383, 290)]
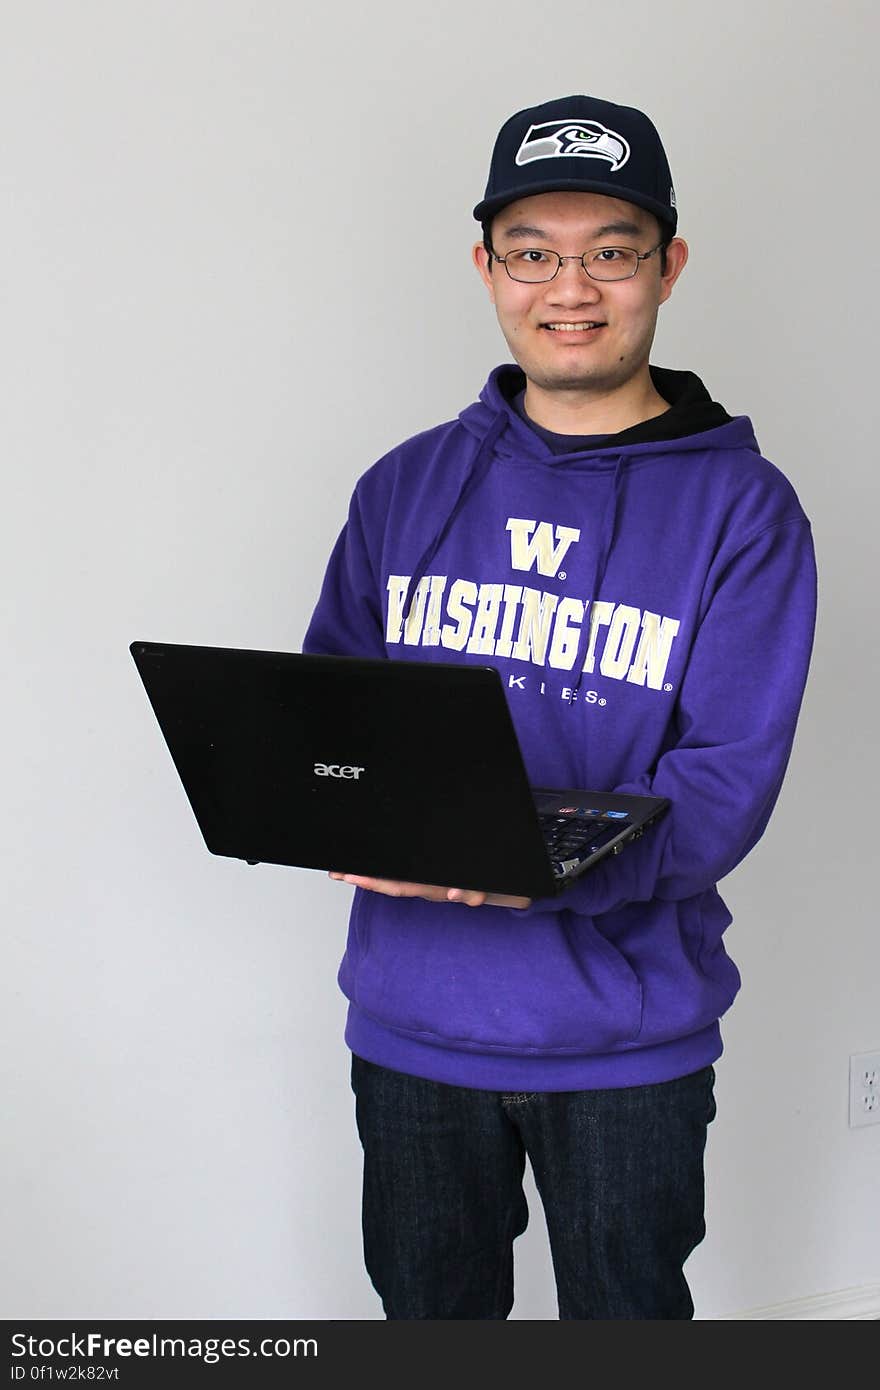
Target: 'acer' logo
[(337, 770)]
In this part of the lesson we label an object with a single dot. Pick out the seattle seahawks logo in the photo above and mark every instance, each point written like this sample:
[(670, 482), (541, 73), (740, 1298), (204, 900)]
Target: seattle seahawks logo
[(586, 139)]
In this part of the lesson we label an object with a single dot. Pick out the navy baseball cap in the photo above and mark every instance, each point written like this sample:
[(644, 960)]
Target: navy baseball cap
[(580, 144)]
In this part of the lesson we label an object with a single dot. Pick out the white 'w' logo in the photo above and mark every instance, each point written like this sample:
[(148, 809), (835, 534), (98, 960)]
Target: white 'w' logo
[(528, 549)]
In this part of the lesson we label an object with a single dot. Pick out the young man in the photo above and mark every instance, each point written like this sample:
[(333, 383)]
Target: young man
[(609, 538)]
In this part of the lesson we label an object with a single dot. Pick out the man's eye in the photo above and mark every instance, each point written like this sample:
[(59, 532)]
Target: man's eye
[(608, 253), (532, 257)]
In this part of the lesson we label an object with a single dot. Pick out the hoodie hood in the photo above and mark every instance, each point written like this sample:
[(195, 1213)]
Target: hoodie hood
[(692, 412)]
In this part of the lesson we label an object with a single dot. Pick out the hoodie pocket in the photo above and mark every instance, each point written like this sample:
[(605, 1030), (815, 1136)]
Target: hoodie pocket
[(484, 979)]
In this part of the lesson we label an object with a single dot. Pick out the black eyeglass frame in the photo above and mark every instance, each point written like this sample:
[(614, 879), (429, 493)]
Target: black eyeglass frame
[(639, 255)]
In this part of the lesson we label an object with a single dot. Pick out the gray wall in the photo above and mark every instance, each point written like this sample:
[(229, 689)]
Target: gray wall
[(185, 414)]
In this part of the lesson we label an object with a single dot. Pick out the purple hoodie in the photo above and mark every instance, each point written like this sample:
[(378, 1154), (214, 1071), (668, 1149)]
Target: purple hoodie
[(650, 603)]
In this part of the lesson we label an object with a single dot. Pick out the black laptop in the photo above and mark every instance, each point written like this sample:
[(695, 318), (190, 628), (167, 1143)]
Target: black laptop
[(391, 769)]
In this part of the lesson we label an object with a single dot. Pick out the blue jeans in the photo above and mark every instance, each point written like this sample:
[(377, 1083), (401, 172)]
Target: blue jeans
[(619, 1172)]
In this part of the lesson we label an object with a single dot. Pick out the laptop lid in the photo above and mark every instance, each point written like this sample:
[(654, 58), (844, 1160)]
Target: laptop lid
[(392, 769)]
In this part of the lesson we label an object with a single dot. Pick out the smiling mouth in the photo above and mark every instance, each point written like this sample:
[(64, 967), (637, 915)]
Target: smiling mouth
[(572, 327)]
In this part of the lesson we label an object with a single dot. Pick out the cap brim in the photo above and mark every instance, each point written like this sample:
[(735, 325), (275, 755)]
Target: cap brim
[(489, 206)]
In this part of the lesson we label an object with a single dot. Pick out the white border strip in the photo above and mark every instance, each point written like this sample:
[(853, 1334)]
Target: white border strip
[(859, 1305)]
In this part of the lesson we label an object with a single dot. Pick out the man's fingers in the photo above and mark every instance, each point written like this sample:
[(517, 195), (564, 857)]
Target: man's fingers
[(394, 888)]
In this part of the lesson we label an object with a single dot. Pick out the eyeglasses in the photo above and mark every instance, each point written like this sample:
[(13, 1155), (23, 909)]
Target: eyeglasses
[(533, 267)]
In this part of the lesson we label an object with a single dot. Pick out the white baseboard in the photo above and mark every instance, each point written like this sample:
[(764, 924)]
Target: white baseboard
[(861, 1304)]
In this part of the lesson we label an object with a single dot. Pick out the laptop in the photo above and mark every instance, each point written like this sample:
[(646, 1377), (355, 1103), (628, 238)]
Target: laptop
[(392, 769)]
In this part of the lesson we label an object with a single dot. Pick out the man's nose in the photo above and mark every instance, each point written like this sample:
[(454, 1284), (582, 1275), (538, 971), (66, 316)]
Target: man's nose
[(572, 283)]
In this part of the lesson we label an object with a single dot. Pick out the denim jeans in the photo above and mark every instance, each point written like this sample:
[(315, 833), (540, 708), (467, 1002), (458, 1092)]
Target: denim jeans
[(619, 1172)]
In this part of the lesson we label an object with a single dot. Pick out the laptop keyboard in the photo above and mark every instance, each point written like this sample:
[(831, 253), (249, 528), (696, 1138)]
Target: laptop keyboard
[(572, 835)]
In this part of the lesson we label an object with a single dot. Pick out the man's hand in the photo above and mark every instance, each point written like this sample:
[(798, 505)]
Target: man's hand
[(471, 897)]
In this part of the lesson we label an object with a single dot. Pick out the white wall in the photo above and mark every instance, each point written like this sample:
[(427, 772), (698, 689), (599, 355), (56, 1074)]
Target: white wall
[(185, 414)]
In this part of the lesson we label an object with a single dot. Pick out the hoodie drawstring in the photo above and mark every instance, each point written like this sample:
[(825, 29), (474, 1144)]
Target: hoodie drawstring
[(477, 471), (603, 551)]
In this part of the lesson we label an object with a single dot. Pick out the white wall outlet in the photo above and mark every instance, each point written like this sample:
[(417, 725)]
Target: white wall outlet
[(864, 1089)]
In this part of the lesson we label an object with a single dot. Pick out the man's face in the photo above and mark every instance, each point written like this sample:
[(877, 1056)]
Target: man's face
[(533, 318)]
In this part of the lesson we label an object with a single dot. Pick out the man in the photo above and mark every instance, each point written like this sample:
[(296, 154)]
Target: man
[(609, 538)]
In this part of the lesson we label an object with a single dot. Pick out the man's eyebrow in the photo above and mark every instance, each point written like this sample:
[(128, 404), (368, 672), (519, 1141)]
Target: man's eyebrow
[(522, 231)]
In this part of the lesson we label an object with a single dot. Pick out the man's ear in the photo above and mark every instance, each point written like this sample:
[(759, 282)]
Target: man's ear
[(483, 263), (676, 260)]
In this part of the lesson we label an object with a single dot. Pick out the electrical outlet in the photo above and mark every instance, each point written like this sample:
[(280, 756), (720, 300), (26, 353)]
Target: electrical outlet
[(864, 1089)]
